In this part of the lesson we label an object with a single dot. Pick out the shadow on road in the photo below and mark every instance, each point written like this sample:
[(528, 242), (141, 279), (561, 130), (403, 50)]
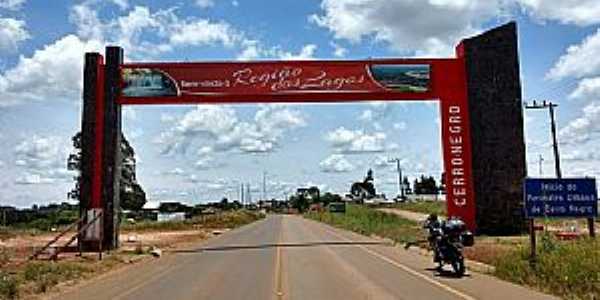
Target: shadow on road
[(446, 273), (283, 245)]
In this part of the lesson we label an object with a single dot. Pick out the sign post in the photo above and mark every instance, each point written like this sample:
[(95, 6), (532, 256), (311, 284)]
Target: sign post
[(560, 198)]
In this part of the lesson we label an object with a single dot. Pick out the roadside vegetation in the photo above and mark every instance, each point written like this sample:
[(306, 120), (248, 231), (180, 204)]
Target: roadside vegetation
[(424, 207), (38, 277), (570, 269), (230, 219), (368, 221)]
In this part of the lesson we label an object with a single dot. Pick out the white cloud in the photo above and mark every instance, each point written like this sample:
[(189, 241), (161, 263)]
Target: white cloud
[(381, 161), (235, 3), (168, 118), (203, 32), (406, 25), (51, 73), (582, 129), (578, 12), (356, 141), (207, 163), (338, 51), (39, 152), (220, 127), (129, 114), (433, 28), (149, 33), (336, 163), (581, 155), (205, 3), (12, 4), (307, 52), (2, 164), (587, 89), (400, 126), (377, 111), (30, 179), (252, 49), (122, 4), (581, 60), (175, 172), (43, 160), (12, 33)]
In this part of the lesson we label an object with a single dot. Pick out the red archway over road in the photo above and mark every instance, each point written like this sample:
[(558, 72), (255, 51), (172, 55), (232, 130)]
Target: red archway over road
[(459, 84)]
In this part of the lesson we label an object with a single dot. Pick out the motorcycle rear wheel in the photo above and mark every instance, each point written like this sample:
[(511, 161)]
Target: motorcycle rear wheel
[(459, 266)]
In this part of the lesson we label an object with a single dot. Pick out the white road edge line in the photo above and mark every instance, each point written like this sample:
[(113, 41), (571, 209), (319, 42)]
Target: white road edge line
[(407, 269)]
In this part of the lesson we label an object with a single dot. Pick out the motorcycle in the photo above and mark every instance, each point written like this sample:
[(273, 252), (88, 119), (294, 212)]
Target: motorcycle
[(447, 239)]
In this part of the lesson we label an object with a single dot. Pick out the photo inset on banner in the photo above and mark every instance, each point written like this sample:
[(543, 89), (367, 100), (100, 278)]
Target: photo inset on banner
[(144, 82), (402, 78)]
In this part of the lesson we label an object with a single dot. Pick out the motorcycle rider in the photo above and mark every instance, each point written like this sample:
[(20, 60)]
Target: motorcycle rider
[(435, 227)]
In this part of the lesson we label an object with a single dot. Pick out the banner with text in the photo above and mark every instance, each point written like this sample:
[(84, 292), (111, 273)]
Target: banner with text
[(271, 78)]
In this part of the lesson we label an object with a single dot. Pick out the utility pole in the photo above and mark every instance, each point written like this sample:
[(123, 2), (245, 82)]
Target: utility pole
[(550, 106), (399, 169), (264, 186), (541, 162), (242, 194), (248, 195)]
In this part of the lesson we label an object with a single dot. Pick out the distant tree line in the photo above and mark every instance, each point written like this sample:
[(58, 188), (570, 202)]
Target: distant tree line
[(305, 197), (43, 217)]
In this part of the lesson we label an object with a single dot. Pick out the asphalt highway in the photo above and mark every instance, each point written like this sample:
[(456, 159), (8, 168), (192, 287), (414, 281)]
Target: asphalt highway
[(288, 257)]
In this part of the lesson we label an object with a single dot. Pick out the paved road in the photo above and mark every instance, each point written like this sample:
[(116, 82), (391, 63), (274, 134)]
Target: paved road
[(288, 257)]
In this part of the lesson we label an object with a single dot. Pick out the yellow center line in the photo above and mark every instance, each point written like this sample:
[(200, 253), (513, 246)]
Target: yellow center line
[(407, 269), (278, 272)]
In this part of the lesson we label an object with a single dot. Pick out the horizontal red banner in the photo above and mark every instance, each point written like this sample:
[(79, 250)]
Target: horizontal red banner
[(273, 78)]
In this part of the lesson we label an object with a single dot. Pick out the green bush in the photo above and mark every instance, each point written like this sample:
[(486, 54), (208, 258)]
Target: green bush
[(570, 269), (45, 275), (9, 286), (369, 221)]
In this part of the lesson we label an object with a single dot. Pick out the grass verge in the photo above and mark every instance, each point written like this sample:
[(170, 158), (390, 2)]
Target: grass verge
[(221, 220), (424, 207), (38, 277), (570, 269), (372, 222)]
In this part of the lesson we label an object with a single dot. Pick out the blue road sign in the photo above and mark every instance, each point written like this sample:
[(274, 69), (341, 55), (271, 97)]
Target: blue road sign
[(569, 197)]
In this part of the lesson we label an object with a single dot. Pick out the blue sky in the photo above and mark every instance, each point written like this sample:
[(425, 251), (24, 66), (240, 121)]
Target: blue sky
[(195, 154)]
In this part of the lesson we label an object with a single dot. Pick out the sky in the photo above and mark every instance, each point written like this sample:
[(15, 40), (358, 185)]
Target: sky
[(203, 153)]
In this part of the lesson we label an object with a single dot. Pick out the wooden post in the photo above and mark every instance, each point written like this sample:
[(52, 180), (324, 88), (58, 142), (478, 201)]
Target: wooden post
[(591, 227), (532, 240)]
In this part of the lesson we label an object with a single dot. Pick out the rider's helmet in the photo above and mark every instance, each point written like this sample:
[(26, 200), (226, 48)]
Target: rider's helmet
[(432, 218)]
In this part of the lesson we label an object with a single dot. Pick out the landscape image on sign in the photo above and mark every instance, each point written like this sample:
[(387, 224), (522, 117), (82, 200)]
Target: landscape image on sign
[(402, 78), (144, 82)]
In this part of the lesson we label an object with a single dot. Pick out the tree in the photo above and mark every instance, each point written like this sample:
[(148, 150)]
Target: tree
[(442, 186), (299, 202), (425, 186), (131, 193), (329, 198)]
